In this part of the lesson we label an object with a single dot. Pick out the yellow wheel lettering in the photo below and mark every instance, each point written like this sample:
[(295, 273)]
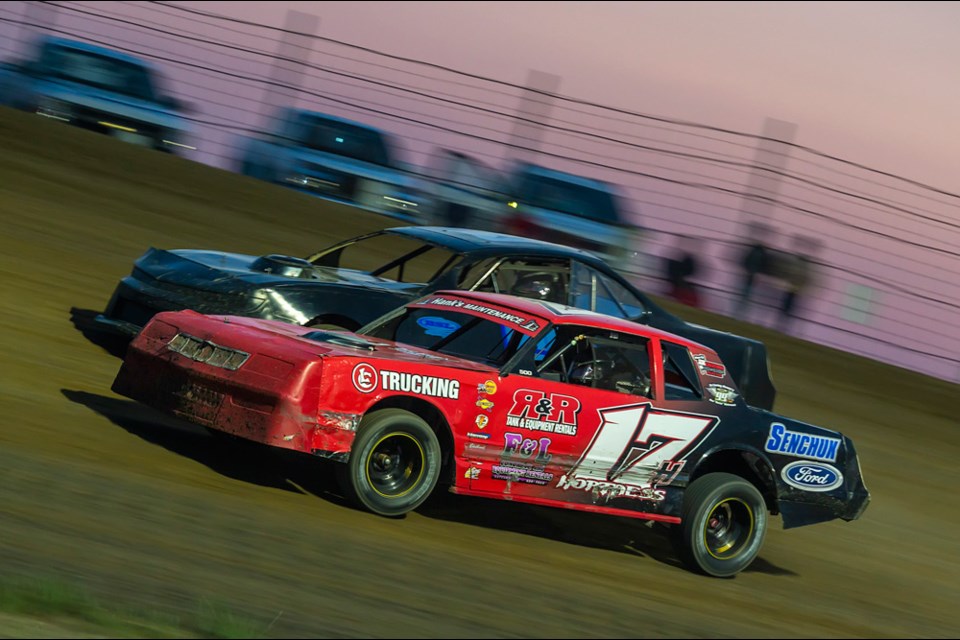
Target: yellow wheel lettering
[(729, 545)]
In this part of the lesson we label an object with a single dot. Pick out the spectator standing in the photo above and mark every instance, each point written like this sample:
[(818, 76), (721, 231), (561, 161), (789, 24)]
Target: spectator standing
[(795, 270), (754, 260), (682, 266)]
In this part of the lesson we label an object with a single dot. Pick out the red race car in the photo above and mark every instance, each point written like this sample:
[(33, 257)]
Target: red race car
[(508, 398)]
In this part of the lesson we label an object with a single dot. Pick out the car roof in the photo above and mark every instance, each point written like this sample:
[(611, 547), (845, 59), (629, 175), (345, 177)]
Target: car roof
[(563, 314), (468, 240), (92, 48)]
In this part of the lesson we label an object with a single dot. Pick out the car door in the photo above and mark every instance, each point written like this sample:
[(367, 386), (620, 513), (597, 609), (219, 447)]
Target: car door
[(526, 429), (578, 423)]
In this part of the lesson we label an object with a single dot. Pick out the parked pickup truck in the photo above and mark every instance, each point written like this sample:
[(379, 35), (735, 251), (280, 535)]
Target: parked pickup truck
[(535, 202), (98, 89), (336, 159)]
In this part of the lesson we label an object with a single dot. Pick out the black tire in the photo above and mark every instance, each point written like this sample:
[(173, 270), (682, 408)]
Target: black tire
[(394, 463), (723, 524)]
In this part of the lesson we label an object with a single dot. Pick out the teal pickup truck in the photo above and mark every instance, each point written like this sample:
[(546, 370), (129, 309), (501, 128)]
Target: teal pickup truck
[(97, 89)]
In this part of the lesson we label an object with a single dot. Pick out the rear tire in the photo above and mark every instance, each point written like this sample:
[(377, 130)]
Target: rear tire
[(723, 524), (394, 463)]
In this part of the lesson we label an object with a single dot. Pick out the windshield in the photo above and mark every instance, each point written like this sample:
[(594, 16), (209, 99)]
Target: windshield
[(390, 256), (558, 195), (459, 326), (454, 333), (100, 71), (345, 139)]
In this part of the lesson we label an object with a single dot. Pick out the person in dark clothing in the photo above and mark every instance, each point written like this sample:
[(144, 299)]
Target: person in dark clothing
[(795, 271), (756, 259), (680, 267)]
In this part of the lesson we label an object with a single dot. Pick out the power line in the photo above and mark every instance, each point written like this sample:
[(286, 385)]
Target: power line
[(674, 121)]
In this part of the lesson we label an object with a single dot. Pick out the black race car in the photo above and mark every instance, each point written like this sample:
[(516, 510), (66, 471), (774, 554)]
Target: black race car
[(358, 280)]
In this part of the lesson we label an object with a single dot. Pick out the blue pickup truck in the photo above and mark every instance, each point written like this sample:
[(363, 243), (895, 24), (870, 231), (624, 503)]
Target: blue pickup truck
[(536, 202), (336, 159), (97, 89)]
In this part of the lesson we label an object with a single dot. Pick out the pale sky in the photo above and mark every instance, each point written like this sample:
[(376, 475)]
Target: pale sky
[(875, 82)]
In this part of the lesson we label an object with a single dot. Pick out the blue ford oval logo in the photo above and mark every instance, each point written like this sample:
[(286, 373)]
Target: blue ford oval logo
[(811, 476), (434, 326)]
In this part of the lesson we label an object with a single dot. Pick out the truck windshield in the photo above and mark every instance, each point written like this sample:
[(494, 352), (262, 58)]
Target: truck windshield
[(544, 192), (345, 139), (100, 71)]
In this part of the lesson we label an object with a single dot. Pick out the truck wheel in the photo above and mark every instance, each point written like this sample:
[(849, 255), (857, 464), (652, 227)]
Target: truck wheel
[(723, 523), (394, 463)]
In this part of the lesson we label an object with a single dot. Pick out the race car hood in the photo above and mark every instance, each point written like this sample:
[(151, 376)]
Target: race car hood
[(272, 338), (217, 270)]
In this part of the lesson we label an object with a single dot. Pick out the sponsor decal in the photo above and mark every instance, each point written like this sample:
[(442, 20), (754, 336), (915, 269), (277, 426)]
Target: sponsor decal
[(800, 444), (473, 446), (526, 475), (527, 324), (539, 411), (722, 394), (811, 476), (207, 352), (516, 446), (713, 369), (523, 460), (478, 436), (484, 404), (489, 387), (609, 490), (365, 377), (482, 421), (648, 448), (436, 326), (472, 473)]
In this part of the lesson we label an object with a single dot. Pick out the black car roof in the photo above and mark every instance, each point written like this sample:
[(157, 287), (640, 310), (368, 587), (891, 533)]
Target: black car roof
[(472, 240)]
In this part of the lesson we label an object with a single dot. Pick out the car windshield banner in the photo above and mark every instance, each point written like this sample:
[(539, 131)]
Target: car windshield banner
[(524, 323)]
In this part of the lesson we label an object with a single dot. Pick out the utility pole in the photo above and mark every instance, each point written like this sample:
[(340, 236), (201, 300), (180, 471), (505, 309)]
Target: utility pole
[(533, 112), (37, 16), (770, 160), (293, 54)]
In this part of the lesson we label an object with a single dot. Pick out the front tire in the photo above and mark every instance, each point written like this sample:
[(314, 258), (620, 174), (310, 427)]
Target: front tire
[(724, 522), (394, 463)]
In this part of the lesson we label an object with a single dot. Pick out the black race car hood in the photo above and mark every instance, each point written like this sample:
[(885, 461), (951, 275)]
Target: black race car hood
[(218, 269)]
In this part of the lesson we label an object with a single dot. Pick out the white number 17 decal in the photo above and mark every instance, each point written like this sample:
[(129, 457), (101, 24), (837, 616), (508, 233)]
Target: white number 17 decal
[(640, 446)]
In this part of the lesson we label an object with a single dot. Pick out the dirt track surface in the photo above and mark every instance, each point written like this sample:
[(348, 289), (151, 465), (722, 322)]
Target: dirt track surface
[(100, 491)]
